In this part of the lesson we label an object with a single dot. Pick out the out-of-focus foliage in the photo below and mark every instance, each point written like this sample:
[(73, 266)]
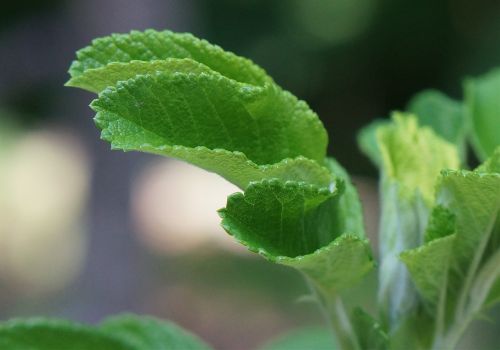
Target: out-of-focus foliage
[(482, 98), (125, 332)]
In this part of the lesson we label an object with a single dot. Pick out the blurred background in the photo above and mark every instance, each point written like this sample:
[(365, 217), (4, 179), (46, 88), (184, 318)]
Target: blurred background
[(86, 232)]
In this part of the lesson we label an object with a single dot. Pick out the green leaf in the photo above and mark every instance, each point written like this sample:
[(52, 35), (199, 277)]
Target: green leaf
[(433, 109), (467, 207), (148, 333), (152, 45), (296, 224), (126, 332), (482, 100), (474, 199), (96, 80), (368, 330), (444, 115), (49, 334), (349, 209), (411, 158), (413, 155), (195, 117), (492, 164), (441, 223), (414, 332), (313, 338), (428, 266), (176, 95), (457, 273)]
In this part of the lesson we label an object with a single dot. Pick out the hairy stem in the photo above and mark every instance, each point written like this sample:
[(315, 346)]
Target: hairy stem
[(346, 337), (337, 317)]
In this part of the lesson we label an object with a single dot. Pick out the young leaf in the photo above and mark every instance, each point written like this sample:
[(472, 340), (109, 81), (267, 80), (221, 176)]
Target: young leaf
[(152, 45), (428, 266), (349, 209), (410, 159), (49, 334), (492, 164), (441, 223), (295, 224), (369, 332), (314, 338), (456, 273), (148, 333), (482, 100), (413, 155), (473, 200), (194, 116), (444, 115), (96, 80)]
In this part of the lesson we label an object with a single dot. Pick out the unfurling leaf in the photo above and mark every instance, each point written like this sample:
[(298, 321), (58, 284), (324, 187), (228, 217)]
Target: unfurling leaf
[(410, 158), (179, 96), (151, 46), (457, 272), (299, 225), (210, 121), (175, 95)]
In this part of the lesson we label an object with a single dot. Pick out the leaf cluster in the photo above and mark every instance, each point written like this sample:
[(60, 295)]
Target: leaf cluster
[(174, 95)]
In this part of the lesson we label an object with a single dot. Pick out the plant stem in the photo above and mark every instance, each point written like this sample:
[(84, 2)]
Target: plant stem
[(342, 326), (450, 340), (334, 311)]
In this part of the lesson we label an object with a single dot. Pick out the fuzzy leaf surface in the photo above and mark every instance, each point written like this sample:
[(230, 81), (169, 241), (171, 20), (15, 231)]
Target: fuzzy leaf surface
[(492, 164), (152, 45), (413, 155), (197, 117), (295, 224), (457, 270), (428, 266), (98, 79)]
